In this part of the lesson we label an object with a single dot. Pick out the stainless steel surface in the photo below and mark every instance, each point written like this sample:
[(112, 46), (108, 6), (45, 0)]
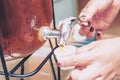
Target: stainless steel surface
[(47, 33), (65, 29)]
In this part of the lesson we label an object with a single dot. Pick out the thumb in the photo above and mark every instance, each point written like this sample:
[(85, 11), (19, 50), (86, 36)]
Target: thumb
[(93, 7)]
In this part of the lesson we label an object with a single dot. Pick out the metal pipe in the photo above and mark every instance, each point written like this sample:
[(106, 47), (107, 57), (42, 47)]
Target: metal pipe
[(37, 69), (4, 64)]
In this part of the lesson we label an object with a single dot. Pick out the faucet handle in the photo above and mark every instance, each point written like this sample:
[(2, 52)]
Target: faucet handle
[(65, 29)]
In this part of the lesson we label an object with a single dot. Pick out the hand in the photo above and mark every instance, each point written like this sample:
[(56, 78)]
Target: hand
[(99, 60), (100, 14)]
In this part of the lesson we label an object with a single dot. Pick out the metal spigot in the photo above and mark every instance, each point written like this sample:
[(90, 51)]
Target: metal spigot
[(63, 33), (65, 29), (45, 33)]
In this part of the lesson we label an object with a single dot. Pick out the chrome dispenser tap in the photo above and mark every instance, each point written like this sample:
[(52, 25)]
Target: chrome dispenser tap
[(63, 33), (65, 29)]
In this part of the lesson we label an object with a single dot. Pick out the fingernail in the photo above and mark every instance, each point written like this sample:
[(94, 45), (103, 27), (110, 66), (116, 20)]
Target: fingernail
[(70, 78), (78, 68), (86, 24), (58, 64), (91, 29), (82, 18), (89, 23), (98, 34)]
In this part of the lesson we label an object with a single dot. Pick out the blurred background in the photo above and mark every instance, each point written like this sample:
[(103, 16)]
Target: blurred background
[(63, 8)]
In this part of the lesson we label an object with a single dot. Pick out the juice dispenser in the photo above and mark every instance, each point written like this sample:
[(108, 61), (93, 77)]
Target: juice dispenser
[(19, 24)]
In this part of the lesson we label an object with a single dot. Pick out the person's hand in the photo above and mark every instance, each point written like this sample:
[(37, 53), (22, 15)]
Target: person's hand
[(100, 14), (99, 60)]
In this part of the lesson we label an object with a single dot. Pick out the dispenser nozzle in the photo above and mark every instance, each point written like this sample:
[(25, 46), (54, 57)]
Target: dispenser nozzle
[(65, 29)]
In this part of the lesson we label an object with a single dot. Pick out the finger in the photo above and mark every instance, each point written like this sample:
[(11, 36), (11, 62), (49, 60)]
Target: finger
[(86, 48), (85, 26), (99, 35), (107, 71), (85, 15), (100, 78), (116, 77), (88, 11), (93, 7), (74, 74), (91, 33), (89, 73), (111, 76), (82, 59), (84, 30), (74, 60)]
